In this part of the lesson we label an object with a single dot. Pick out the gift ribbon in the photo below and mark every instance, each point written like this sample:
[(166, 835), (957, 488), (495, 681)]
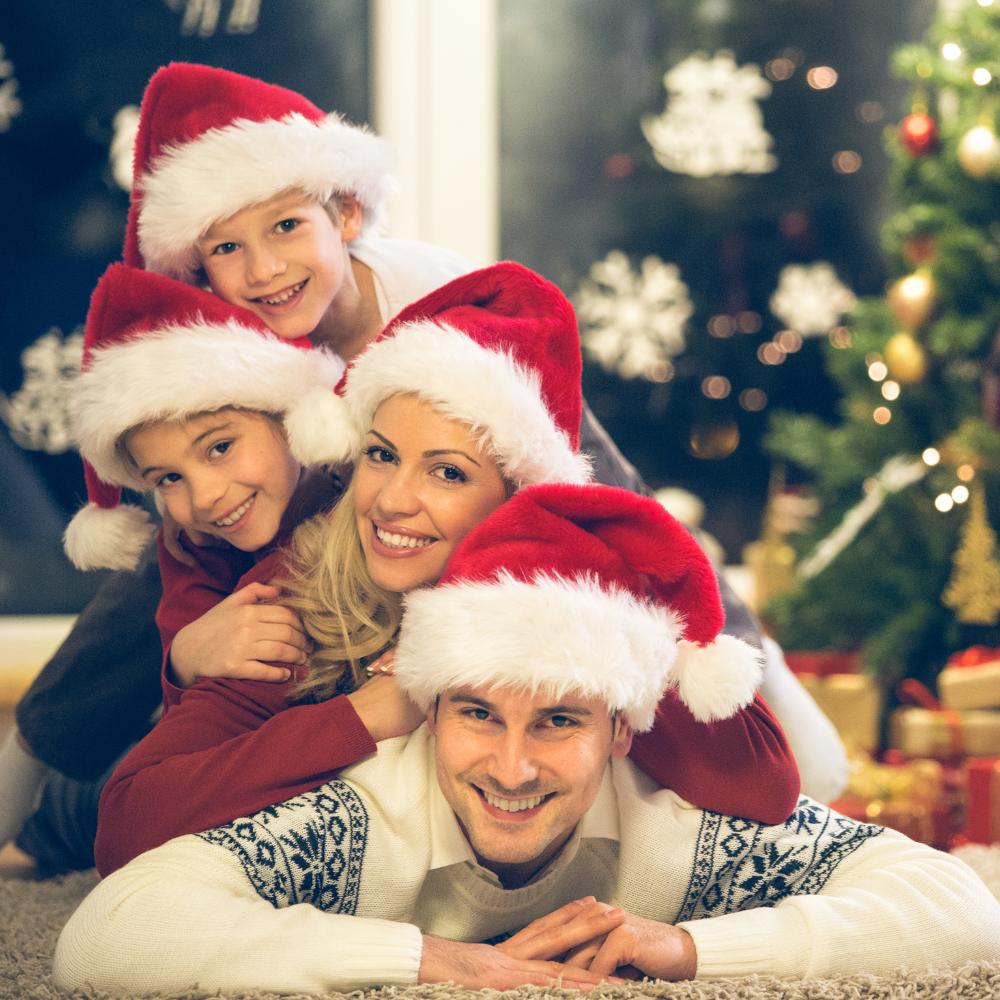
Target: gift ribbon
[(911, 692), (974, 656)]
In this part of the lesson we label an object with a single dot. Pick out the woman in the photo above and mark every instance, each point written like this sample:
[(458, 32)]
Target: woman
[(469, 394)]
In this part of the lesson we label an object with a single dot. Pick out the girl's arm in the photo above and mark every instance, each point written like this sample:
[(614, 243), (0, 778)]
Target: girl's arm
[(741, 766), (228, 748)]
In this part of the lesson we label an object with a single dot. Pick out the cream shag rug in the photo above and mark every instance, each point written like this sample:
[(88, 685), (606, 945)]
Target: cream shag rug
[(32, 913)]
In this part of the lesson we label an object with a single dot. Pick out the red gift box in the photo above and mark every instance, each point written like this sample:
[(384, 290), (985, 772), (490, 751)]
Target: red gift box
[(822, 662), (982, 804)]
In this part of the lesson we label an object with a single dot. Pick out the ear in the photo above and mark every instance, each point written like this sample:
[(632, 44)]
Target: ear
[(432, 716), (621, 737), (350, 218)]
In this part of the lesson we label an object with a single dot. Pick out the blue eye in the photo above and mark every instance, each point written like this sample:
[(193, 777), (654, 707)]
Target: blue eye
[(450, 474), (224, 248), (219, 448), (562, 721), (287, 225), (169, 479), (377, 453)]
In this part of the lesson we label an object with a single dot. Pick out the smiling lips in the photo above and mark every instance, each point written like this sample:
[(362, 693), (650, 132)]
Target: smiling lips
[(283, 297), (237, 515), (504, 808), (394, 540)]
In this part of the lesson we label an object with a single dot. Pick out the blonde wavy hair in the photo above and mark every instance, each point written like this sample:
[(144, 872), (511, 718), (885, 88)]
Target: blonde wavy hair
[(349, 619)]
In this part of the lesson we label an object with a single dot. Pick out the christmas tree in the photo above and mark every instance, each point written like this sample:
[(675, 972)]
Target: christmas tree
[(896, 564)]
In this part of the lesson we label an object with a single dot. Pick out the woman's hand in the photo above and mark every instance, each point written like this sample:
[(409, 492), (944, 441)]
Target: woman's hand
[(383, 708), (240, 638)]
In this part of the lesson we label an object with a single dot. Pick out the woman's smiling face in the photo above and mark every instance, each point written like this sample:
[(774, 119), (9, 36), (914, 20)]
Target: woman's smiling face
[(422, 483)]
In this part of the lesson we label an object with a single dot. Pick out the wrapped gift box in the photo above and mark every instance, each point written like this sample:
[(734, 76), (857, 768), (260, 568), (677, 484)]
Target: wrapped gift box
[(982, 804), (945, 734), (852, 702), (822, 662), (920, 798), (971, 679)]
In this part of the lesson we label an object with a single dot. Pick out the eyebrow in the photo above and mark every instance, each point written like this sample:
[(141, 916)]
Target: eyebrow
[(566, 709), (432, 453), (215, 428)]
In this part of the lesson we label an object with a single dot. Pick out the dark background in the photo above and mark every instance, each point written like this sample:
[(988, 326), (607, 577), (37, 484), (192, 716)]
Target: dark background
[(576, 77)]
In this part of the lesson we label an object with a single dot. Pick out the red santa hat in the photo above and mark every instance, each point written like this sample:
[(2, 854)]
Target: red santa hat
[(212, 142), (590, 589), (158, 349), (497, 349)]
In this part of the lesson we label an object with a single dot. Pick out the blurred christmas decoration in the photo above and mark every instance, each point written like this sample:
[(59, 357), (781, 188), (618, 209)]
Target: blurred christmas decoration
[(905, 357), (126, 125), (633, 322), (689, 509), (912, 299), (201, 17), (971, 679), (711, 123), (917, 433), (36, 415), (10, 105), (918, 132), (811, 299), (979, 152), (974, 588)]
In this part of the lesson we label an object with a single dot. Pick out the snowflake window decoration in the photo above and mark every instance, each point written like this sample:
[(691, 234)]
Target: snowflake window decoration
[(120, 156), (712, 123), (10, 105), (36, 414), (201, 17), (633, 322), (810, 298)]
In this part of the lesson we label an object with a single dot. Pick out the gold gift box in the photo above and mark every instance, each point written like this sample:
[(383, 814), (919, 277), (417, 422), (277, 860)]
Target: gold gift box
[(852, 702), (921, 732), (970, 687)]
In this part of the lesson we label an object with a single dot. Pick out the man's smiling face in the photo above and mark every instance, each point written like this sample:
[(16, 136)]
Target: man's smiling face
[(521, 770)]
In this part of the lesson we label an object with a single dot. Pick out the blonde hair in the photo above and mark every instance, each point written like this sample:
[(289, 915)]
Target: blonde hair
[(348, 617)]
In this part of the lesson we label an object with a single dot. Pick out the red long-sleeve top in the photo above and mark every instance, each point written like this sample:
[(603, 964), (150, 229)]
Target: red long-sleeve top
[(227, 748)]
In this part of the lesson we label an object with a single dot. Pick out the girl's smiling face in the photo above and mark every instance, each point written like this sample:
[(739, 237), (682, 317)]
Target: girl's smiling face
[(228, 473), (422, 483)]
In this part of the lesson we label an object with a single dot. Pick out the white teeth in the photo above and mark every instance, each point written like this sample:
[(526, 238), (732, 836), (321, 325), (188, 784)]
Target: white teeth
[(401, 541), (281, 299), (513, 805), (235, 516)]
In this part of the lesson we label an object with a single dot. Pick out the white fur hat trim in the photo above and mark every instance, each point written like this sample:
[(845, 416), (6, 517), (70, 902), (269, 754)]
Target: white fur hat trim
[(194, 184), (107, 538), (488, 390), (178, 371), (552, 634)]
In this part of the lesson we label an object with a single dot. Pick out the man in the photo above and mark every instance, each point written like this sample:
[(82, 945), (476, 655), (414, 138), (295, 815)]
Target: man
[(513, 817)]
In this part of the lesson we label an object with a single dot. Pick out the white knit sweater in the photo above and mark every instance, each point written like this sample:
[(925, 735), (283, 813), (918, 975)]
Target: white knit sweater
[(331, 890)]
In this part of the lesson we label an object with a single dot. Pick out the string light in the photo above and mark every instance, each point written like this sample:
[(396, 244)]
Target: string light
[(951, 51), (944, 502), (822, 77), (753, 400), (931, 457), (981, 76), (966, 473), (840, 338), (960, 494), (890, 390), (877, 370), (847, 161), (882, 414), (789, 341), (716, 387), (721, 326)]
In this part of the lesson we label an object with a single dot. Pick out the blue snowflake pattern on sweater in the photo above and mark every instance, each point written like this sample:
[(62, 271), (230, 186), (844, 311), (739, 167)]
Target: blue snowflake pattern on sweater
[(306, 850), (740, 864)]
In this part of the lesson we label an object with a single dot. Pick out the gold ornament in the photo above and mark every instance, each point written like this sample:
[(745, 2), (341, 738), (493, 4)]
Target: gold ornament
[(979, 151), (974, 588), (905, 358), (912, 299)]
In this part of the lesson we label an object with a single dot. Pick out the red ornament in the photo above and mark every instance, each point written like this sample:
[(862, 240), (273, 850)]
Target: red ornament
[(918, 132)]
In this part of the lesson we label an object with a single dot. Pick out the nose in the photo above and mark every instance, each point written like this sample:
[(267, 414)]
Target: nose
[(398, 497), (206, 490), (262, 263), (514, 767)]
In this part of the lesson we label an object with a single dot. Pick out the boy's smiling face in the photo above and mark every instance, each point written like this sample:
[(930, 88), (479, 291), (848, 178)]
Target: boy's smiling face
[(228, 473), (285, 260)]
